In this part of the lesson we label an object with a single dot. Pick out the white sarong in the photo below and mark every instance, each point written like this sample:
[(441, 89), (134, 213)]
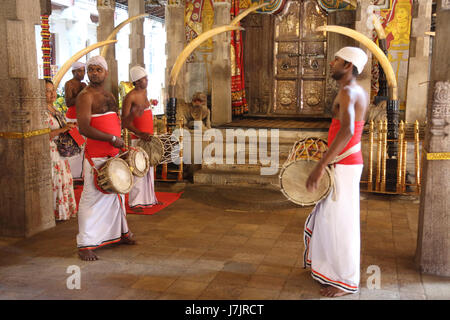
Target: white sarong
[(142, 195), (101, 217), (76, 164), (332, 233)]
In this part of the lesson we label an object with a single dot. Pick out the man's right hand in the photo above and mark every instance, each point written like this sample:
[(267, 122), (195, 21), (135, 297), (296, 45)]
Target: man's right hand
[(145, 136), (118, 143), (69, 126)]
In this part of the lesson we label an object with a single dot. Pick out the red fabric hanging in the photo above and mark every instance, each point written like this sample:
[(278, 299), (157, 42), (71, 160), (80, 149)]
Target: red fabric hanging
[(238, 101)]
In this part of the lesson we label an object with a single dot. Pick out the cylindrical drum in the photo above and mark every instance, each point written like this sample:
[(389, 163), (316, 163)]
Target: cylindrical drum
[(115, 176), (297, 168), (137, 160)]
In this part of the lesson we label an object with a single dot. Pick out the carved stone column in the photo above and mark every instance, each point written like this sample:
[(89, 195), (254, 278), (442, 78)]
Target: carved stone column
[(26, 195), (106, 10), (137, 38), (221, 68), (433, 242), (418, 69), (174, 23)]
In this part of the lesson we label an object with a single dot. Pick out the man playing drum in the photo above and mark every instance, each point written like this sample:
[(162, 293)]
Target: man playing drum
[(71, 90), (137, 117), (332, 230), (101, 217)]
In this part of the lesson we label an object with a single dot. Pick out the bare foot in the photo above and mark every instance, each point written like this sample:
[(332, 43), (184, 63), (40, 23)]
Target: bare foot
[(128, 240), (332, 292), (137, 209), (87, 255), (159, 203)]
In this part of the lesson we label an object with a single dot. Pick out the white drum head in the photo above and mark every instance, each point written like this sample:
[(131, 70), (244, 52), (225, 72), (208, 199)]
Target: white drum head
[(141, 161), (293, 183), (120, 175)]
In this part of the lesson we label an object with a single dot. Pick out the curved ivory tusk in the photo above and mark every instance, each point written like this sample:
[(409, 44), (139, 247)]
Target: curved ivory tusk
[(378, 27), (57, 78), (376, 51), (194, 44), (117, 29), (243, 14)]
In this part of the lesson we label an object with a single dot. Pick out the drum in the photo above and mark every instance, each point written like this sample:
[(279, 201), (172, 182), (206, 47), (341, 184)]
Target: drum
[(161, 149), (137, 160), (115, 176), (297, 168)]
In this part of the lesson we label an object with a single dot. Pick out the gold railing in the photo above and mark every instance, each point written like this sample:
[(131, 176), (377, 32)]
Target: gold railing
[(377, 139)]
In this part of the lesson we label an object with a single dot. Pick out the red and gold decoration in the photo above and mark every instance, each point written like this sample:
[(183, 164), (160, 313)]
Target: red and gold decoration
[(46, 48), (238, 100)]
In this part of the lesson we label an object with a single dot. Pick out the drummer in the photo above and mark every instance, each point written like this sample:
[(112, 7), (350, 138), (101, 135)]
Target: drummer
[(137, 117), (101, 216), (72, 88)]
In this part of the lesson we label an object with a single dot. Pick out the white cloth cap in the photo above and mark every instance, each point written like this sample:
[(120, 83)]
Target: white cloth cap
[(97, 61), (78, 65), (136, 73), (354, 55)]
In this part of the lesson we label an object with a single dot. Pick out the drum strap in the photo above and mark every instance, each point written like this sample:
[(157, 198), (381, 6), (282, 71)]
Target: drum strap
[(88, 158), (352, 150)]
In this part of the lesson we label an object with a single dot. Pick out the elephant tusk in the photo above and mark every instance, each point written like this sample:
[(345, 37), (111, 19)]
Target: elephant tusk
[(376, 51), (61, 72), (117, 29), (191, 47)]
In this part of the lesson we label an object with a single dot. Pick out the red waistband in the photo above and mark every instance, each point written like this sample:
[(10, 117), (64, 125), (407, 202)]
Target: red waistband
[(109, 123), (71, 112), (355, 158)]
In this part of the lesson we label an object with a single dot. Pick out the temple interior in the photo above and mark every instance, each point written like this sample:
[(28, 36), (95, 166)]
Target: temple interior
[(231, 218)]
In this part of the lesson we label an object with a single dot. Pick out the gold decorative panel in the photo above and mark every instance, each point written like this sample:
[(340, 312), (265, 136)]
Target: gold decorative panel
[(299, 60), (286, 95), (289, 26)]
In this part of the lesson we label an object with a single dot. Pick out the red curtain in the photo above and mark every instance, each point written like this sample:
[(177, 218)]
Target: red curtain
[(238, 101)]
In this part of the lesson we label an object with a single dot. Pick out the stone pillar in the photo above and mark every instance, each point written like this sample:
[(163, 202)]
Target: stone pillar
[(106, 10), (433, 242), (137, 38), (364, 79), (26, 195), (418, 69), (221, 68), (174, 23)]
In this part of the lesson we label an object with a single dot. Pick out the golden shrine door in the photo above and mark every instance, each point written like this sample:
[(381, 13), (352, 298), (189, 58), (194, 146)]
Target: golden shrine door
[(296, 84)]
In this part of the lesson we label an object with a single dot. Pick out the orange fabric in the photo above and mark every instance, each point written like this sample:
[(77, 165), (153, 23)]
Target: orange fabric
[(144, 123), (108, 123), (355, 158)]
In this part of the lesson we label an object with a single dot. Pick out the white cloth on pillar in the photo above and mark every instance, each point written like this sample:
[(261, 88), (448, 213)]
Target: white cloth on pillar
[(332, 233), (101, 217), (142, 195)]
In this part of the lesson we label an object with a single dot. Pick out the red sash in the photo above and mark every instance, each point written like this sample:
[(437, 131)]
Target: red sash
[(109, 123), (144, 123), (355, 158), (71, 113)]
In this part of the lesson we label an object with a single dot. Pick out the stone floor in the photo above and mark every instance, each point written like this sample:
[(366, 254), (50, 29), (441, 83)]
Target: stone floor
[(218, 243)]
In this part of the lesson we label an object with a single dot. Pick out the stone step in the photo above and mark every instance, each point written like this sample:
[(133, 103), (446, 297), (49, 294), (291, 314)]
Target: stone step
[(219, 177)]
